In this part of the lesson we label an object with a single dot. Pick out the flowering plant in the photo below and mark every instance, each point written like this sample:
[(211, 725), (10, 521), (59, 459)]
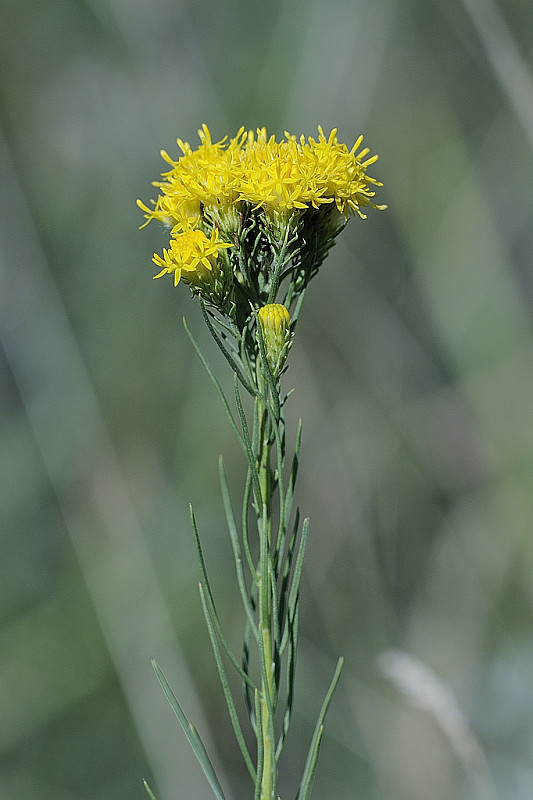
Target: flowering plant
[(251, 221)]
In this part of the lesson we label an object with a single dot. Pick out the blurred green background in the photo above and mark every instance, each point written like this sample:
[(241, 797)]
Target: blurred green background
[(413, 369)]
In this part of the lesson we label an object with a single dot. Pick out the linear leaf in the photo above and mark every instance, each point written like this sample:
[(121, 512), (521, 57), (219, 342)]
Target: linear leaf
[(248, 447), (296, 578), (292, 627), (225, 686), (299, 563), (312, 758), (232, 527), (246, 662), (224, 350), (285, 581), (294, 474), (267, 372), (216, 384), (260, 751), (245, 526), (193, 737), (149, 792), (211, 602)]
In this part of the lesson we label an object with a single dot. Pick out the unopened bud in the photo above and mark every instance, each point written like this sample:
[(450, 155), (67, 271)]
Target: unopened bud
[(276, 329)]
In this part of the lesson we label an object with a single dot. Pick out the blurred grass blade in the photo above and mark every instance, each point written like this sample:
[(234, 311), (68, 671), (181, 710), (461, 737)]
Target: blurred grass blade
[(310, 766), (193, 737)]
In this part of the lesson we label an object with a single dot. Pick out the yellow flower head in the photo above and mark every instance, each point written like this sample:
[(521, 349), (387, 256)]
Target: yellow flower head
[(280, 177), (191, 256), (198, 179)]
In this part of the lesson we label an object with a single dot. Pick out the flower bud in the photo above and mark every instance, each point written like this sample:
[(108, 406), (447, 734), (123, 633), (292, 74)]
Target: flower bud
[(276, 329)]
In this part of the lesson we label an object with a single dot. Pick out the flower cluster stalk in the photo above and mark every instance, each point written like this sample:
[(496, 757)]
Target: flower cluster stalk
[(251, 222)]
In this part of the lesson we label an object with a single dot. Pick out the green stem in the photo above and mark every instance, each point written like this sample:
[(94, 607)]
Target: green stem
[(268, 781), (268, 688)]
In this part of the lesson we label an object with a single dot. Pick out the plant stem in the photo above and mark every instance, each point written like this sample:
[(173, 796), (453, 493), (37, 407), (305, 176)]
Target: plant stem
[(268, 689)]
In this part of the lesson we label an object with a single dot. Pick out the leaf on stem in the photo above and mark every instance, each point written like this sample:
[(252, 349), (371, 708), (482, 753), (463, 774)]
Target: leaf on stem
[(292, 627), (225, 685), (260, 750), (149, 792), (236, 549), (285, 581), (193, 737), (310, 766), (248, 447), (294, 473), (267, 373), (223, 349), (297, 576), (216, 384), (211, 603), (246, 662)]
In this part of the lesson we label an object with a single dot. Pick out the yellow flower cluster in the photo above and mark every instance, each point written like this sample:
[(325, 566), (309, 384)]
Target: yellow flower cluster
[(191, 255), (279, 177), (248, 213)]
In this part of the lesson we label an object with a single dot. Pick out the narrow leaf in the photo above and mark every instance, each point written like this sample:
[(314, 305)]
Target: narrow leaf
[(267, 372), (245, 526), (246, 663), (292, 627), (296, 578), (149, 792), (248, 447), (312, 758), (216, 384), (285, 581), (225, 686), (286, 502), (223, 349), (193, 737), (294, 474), (211, 603), (232, 527), (260, 749)]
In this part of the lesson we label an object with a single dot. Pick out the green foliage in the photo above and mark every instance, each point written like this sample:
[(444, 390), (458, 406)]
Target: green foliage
[(413, 372), (269, 587)]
